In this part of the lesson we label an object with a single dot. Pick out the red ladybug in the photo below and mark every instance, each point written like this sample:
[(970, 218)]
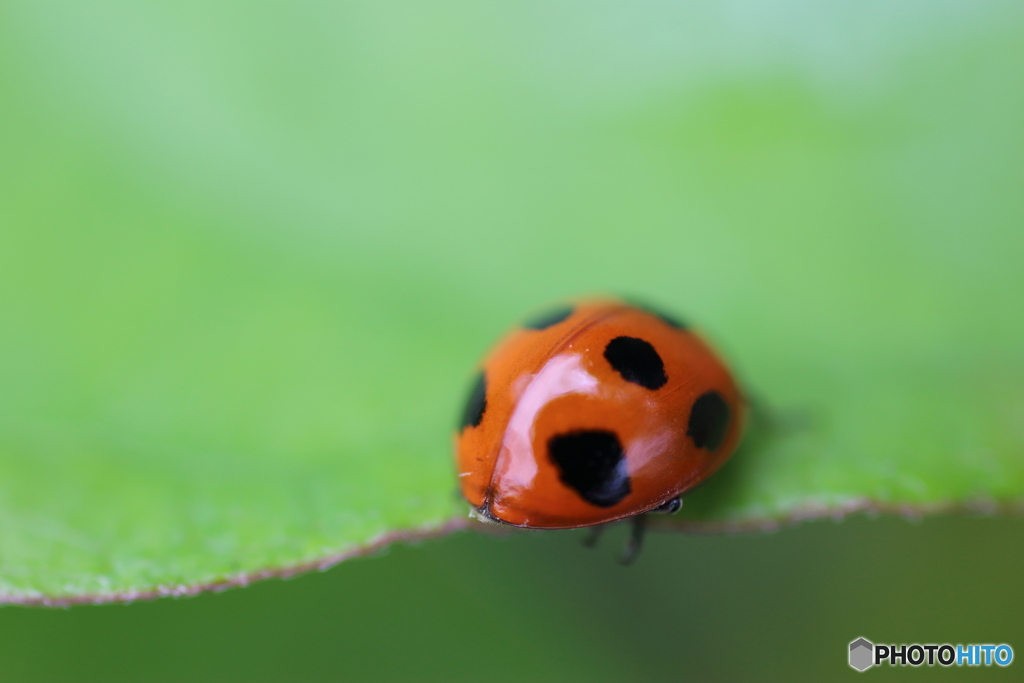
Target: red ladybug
[(592, 413)]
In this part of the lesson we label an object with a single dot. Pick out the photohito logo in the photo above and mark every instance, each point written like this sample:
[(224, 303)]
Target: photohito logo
[(864, 654)]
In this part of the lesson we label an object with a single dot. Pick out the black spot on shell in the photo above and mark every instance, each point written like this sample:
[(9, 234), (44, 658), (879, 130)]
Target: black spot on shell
[(709, 421), (549, 318), (473, 414), (591, 463), (637, 362), (667, 318)]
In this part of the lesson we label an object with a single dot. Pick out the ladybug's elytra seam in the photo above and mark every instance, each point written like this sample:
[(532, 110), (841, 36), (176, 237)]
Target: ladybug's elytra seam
[(562, 343)]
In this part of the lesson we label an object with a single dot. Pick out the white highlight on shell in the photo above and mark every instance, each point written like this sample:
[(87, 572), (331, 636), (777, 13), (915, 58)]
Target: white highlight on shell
[(562, 375), (646, 449)]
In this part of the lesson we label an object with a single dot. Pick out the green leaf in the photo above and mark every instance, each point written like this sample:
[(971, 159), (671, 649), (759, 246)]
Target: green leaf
[(250, 256)]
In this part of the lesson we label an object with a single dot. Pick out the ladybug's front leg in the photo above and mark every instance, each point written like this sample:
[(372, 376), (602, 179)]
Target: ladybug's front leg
[(594, 535), (636, 536), (636, 540)]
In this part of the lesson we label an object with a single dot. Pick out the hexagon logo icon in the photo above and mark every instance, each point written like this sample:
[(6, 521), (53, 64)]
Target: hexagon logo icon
[(861, 654)]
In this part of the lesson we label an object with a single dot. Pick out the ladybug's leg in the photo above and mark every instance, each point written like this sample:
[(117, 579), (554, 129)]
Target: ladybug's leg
[(636, 540), (590, 540), (639, 522)]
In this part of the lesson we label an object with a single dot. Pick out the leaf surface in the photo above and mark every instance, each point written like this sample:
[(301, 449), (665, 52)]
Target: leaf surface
[(249, 257)]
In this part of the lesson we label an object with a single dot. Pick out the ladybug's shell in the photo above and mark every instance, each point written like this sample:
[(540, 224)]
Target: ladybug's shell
[(572, 424)]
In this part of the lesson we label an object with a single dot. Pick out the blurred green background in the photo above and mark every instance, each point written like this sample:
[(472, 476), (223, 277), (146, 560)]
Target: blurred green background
[(540, 607), (248, 255)]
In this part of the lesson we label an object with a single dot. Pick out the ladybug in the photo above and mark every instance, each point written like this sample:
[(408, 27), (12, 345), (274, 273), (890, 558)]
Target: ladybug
[(595, 412)]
